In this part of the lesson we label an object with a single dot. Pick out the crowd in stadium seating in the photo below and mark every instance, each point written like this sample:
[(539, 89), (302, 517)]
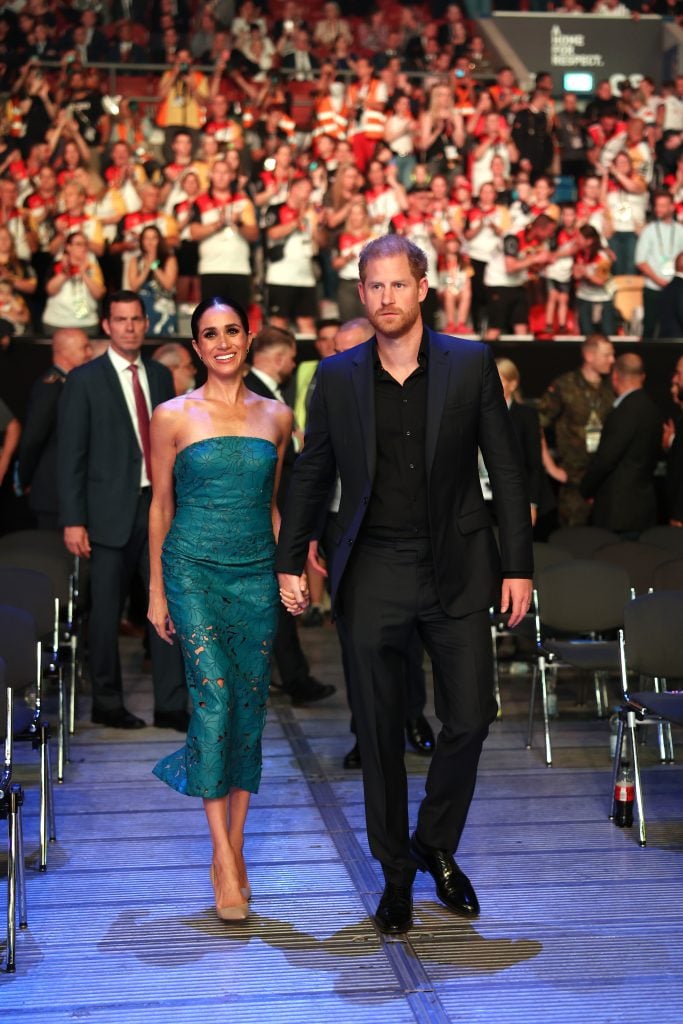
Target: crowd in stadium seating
[(275, 141)]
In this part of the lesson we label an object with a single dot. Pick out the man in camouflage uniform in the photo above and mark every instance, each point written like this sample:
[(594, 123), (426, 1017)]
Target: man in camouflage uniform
[(576, 405)]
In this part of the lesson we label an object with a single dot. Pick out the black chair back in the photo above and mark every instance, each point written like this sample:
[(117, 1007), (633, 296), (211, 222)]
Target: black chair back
[(652, 625), (582, 596), (669, 575), (668, 537), (546, 554), (582, 541), (638, 559), (52, 564), (18, 638), (32, 591)]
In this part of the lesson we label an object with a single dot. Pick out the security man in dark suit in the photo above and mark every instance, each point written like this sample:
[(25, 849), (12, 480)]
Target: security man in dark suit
[(37, 456), (104, 497), (673, 446), (273, 355), (671, 304), (620, 475)]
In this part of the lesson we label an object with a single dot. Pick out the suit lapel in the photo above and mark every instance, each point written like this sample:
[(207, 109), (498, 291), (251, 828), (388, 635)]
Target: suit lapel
[(154, 383), (363, 385), (437, 388)]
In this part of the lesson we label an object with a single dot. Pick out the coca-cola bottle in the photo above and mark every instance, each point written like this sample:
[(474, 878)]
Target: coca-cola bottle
[(624, 795)]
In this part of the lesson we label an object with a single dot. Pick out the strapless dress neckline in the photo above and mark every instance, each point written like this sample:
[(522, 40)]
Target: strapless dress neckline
[(226, 437)]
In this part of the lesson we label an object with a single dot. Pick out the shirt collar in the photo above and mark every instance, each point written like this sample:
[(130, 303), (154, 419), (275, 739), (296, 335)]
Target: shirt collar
[(269, 381), (620, 399), (422, 355), (119, 363)]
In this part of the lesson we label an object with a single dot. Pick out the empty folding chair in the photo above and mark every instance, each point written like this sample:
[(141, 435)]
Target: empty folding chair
[(33, 591), (640, 561), (11, 800), (21, 649), (44, 551), (576, 604), (582, 541), (668, 537), (544, 555), (669, 575), (650, 646)]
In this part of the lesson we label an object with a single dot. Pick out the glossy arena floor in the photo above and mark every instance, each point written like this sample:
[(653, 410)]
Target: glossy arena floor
[(578, 923)]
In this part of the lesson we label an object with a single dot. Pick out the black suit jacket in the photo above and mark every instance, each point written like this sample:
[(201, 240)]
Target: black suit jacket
[(99, 458), (620, 475), (671, 310), (289, 62), (256, 385), (674, 475), (528, 430), (465, 410), (37, 456)]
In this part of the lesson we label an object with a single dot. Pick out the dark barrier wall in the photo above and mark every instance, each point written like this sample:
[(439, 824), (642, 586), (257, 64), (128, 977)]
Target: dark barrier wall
[(539, 362), (603, 46)]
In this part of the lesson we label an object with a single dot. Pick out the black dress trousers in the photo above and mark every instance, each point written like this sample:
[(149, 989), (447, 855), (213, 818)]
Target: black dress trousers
[(388, 590)]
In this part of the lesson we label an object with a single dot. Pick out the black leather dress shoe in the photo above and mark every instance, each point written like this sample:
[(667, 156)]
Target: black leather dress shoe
[(118, 719), (420, 735), (395, 909), (352, 759), (178, 720), (310, 690), (453, 887)]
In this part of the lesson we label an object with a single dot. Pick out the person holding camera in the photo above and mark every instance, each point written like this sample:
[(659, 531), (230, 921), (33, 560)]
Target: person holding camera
[(75, 288), (183, 94)]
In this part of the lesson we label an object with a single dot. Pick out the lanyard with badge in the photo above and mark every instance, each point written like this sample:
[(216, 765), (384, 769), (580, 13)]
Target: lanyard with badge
[(593, 428)]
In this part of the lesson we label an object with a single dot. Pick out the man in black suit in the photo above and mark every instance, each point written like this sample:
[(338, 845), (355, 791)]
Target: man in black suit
[(671, 307), (673, 446), (401, 418), (273, 357), (301, 61), (104, 496), (37, 456), (620, 475)]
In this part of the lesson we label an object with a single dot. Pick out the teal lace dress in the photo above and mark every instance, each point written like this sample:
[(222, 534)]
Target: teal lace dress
[(222, 597)]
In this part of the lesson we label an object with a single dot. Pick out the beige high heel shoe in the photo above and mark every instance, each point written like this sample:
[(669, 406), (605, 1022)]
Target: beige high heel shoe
[(239, 912)]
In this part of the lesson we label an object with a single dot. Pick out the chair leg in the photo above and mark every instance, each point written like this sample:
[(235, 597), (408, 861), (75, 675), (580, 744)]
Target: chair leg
[(21, 863), (532, 701), (61, 728), (597, 682), (616, 764), (631, 722), (47, 806), (11, 883), (73, 677), (546, 715), (52, 828)]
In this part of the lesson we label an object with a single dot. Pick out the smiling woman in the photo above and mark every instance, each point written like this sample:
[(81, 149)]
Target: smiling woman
[(216, 459)]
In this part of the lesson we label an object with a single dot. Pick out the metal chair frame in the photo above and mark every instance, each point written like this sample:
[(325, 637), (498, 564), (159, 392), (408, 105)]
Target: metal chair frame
[(11, 801)]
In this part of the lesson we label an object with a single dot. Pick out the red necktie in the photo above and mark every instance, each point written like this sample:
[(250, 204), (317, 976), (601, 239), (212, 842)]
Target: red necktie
[(143, 420)]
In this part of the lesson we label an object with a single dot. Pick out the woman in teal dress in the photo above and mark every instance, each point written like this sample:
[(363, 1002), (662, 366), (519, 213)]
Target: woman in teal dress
[(216, 459)]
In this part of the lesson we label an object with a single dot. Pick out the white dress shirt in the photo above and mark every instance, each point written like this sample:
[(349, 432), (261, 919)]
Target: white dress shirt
[(125, 377)]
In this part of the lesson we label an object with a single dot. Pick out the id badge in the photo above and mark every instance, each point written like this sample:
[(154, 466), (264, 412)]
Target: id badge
[(668, 268)]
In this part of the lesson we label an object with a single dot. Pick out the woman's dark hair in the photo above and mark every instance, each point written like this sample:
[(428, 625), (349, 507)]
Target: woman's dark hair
[(216, 301), (163, 250), (588, 232)]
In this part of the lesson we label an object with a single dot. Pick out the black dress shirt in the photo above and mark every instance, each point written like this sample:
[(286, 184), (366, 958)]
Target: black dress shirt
[(398, 504)]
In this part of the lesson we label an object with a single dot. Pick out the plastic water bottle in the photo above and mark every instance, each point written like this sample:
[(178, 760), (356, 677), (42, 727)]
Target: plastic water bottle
[(624, 796), (613, 729)]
